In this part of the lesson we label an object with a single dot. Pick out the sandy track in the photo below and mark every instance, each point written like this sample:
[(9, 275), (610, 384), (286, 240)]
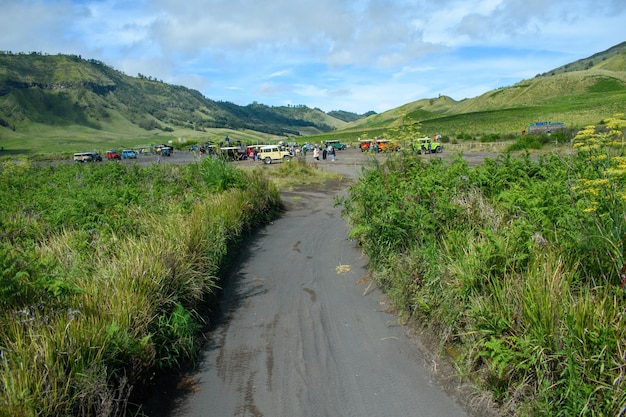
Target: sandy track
[(302, 332)]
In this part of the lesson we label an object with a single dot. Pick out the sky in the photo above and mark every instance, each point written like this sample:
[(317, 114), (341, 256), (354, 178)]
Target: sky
[(352, 55)]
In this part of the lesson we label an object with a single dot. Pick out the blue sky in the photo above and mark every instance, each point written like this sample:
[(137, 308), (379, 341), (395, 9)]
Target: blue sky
[(354, 55)]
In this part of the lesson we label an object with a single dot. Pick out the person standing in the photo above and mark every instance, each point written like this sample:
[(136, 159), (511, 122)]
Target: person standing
[(316, 153), (332, 153)]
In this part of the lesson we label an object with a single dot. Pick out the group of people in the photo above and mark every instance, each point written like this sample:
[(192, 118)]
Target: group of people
[(329, 150)]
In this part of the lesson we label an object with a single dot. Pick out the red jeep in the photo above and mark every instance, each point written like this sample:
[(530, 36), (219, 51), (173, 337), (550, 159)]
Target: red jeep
[(111, 155)]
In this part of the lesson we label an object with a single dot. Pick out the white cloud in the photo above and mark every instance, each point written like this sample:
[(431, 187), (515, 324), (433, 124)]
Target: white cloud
[(409, 70), (355, 55), (280, 73)]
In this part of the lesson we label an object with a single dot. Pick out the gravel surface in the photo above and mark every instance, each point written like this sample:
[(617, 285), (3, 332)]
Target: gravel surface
[(302, 331)]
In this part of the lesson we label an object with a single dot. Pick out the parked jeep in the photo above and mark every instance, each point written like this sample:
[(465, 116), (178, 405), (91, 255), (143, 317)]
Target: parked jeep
[(234, 153), (113, 154), (385, 145), (335, 144), (129, 154), (273, 153), (87, 157), (427, 145), (163, 150)]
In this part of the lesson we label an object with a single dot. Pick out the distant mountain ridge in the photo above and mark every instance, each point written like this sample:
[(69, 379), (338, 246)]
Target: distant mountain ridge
[(68, 90)]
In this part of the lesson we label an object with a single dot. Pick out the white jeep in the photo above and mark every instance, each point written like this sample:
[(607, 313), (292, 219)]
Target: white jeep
[(273, 153)]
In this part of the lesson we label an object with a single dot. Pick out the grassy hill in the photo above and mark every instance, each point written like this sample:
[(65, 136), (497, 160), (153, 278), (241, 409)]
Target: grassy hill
[(613, 59), (577, 94), (52, 103)]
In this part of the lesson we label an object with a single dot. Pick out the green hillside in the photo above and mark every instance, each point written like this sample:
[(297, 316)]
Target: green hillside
[(613, 59), (577, 94), (58, 102)]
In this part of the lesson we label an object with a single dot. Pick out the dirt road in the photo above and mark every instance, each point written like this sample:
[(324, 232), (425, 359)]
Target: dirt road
[(303, 332)]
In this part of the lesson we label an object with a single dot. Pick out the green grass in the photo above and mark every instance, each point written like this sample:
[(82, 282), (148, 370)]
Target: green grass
[(298, 172), (106, 273)]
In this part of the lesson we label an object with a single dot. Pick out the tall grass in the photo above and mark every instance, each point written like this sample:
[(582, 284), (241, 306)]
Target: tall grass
[(95, 304), (517, 265)]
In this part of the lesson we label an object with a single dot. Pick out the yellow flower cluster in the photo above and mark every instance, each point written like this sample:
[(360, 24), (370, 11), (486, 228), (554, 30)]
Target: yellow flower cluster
[(618, 167), (591, 187), (592, 208), (616, 123), (595, 146), (598, 158), (585, 140), (586, 132)]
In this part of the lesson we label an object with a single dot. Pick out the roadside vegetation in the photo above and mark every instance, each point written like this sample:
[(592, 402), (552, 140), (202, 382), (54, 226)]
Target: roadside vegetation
[(516, 265), (107, 272)]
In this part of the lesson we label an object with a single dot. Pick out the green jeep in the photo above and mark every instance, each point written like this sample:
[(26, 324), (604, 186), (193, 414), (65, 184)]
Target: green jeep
[(335, 144), (426, 145)]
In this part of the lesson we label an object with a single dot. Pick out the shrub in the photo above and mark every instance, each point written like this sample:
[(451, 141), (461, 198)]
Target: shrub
[(490, 137), (219, 175), (526, 142)]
